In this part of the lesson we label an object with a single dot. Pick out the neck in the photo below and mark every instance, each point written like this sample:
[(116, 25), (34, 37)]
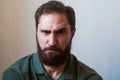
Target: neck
[(55, 71)]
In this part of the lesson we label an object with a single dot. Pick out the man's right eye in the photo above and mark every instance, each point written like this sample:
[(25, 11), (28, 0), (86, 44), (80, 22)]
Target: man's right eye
[(45, 32)]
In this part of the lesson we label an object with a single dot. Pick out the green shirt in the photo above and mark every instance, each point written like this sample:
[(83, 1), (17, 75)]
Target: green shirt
[(30, 68)]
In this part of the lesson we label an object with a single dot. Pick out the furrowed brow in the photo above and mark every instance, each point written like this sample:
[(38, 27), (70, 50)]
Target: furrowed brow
[(59, 30)]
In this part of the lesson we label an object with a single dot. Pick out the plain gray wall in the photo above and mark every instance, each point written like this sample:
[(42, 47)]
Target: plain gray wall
[(96, 42)]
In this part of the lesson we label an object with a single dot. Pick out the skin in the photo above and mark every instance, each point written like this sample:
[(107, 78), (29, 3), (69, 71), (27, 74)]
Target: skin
[(54, 30)]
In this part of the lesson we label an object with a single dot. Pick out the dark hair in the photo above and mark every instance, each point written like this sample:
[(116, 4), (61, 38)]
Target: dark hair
[(56, 6)]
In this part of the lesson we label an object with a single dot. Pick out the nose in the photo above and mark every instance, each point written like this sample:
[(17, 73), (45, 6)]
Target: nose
[(52, 40)]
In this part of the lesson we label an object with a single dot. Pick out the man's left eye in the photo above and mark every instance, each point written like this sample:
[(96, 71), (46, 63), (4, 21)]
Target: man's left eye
[(61, 31)]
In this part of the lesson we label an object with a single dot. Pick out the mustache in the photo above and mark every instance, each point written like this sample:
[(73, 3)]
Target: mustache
[(52, 48)]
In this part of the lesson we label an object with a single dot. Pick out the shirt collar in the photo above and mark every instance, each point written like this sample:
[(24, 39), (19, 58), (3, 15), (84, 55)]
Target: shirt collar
[(70, 71)]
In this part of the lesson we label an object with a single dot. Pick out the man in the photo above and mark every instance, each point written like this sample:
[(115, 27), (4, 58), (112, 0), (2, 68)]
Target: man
[(55, 28)]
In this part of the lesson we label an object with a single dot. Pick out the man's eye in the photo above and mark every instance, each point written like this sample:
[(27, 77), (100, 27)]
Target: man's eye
[(61, 31), (45, 31)]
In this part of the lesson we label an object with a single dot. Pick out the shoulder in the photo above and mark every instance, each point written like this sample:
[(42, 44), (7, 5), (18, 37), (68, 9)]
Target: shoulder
[(84, 72), (15, 71), (23, 62)]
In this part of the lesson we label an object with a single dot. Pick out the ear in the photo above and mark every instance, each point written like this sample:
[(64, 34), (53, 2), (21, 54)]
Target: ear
[(73, 32)]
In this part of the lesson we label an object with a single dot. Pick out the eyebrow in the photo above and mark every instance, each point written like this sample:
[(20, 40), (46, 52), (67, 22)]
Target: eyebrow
[(57, 30), (61, 29), (48, 31)]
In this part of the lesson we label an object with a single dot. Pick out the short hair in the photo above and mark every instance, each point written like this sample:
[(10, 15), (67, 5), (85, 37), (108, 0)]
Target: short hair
[(56, 6)]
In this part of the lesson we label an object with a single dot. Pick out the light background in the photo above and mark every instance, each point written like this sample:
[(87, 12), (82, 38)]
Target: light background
[(96, 42)]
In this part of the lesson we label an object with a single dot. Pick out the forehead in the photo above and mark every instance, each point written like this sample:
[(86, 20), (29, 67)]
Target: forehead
[(53, 21)]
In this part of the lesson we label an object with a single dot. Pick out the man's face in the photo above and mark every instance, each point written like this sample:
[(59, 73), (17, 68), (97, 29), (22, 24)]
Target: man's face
[(54, 36)]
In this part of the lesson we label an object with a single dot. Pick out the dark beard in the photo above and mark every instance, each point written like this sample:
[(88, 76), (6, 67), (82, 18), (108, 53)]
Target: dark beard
[(56, 57)]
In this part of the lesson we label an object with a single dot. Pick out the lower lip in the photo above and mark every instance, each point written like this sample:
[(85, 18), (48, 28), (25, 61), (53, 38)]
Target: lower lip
[(50, 50)]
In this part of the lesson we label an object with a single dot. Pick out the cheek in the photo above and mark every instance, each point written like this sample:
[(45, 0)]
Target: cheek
[(41, 41), (65, 41)]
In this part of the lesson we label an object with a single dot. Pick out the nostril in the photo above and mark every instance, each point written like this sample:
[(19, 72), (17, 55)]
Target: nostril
[(53, 43)]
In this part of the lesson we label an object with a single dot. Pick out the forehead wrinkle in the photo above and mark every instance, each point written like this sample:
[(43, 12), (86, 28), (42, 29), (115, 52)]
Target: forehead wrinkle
[(60, 25), (56, 28)]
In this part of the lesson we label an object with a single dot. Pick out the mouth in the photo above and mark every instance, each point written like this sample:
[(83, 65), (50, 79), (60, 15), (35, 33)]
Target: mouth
[(50, 51)]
